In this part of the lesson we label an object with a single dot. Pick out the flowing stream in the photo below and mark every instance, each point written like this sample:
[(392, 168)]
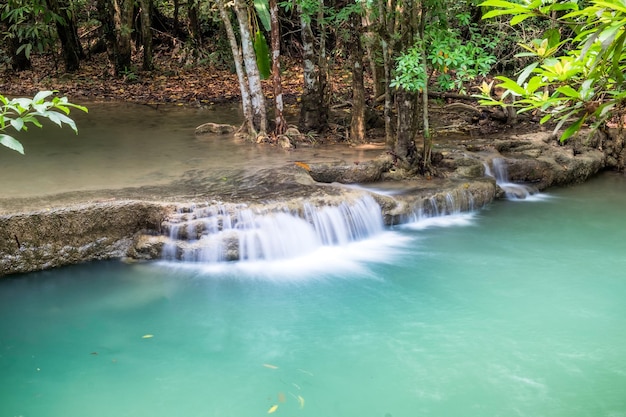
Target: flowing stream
[(514, 310)]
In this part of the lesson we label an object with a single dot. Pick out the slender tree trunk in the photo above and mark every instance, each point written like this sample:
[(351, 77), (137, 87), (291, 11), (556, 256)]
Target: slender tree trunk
[(405, 132), (279, 118), (241, 76), (425, 163), (324, 71), (252, 70), (357, 123), (194, 21), (176, 27), (116, 17), (311, 109), (146, 33), (68, 34), (387, 25)]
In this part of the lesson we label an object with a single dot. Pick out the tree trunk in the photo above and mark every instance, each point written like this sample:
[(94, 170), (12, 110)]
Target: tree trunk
[(425, 163), (252, 70), (194, 21), (68, 34), (405, 132), (387, 28), (241, 76), (281, 124), (146, 33), (311, 104), (357, 123), (116, 17)]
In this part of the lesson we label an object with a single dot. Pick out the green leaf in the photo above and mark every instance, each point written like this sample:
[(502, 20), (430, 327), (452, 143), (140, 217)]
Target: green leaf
[(568, 91), (572, 129), (262, 10), (519, 18), (526, 72), (262, 55), (511, 85), (18, 123), (41, 96), (11, 143), (545, 118)]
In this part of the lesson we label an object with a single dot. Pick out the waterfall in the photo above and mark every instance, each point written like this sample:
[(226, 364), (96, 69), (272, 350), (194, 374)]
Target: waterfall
[(512, 191), (218, 233), (441, 210)]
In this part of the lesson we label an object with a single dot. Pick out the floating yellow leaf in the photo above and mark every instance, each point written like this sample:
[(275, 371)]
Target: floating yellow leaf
[(147, 336), (303, 165), (272, 409), (270, 366), (301, 401)]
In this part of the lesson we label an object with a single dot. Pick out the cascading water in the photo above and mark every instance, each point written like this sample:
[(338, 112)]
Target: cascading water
[(513, 191), (220, 233), (443, 210)]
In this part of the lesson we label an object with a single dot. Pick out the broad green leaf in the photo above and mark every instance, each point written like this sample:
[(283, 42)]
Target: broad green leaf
[(511, 85), (11, 143), (495, 13), (572, 129), (18, 123), (499, 3), (262, 10), (612, 5), (534, 84), (526, 73), (519, 18), (568, 91), (262, 55), (41, 96), (564, 6)]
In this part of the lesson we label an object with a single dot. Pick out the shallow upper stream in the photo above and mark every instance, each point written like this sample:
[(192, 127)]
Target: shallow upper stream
[(515, 310), (129, 145)]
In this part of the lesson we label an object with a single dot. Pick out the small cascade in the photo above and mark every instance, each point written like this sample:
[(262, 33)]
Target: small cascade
[(219, 233), (512, 191), (453, 208)]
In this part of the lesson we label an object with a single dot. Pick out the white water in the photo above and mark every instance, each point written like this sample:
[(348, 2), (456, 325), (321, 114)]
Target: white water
[(213, 234), (513, 191)]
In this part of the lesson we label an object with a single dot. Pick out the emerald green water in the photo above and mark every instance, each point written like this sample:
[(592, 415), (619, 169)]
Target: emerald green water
[(517, 310)]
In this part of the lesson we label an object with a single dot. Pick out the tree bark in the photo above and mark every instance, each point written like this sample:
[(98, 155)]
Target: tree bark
[(194, 21), (281, 124), (116, 17), (252, 70), (311, 104), (405, 132), (71, 48), (357, 122), (425, 162), (241, 76), (146, 33)]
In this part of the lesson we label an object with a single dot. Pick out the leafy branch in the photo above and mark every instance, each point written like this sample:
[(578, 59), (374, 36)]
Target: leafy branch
[(584, 84), (20, 113)]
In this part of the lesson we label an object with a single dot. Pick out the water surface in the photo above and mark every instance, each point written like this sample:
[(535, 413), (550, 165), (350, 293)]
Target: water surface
[(517, 310)]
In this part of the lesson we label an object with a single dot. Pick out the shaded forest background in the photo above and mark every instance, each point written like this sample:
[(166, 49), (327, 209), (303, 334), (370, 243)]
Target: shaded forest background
[(381, 60)]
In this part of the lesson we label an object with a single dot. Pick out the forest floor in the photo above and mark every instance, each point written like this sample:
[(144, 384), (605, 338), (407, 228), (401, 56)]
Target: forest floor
[(174, 82), (171, 82)]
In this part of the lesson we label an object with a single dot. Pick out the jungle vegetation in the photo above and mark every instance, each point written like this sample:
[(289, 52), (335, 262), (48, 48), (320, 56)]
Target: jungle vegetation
[(560, 60)]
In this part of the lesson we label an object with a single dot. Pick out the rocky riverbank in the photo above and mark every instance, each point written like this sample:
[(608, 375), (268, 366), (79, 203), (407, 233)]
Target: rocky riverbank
[(82, 228)]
